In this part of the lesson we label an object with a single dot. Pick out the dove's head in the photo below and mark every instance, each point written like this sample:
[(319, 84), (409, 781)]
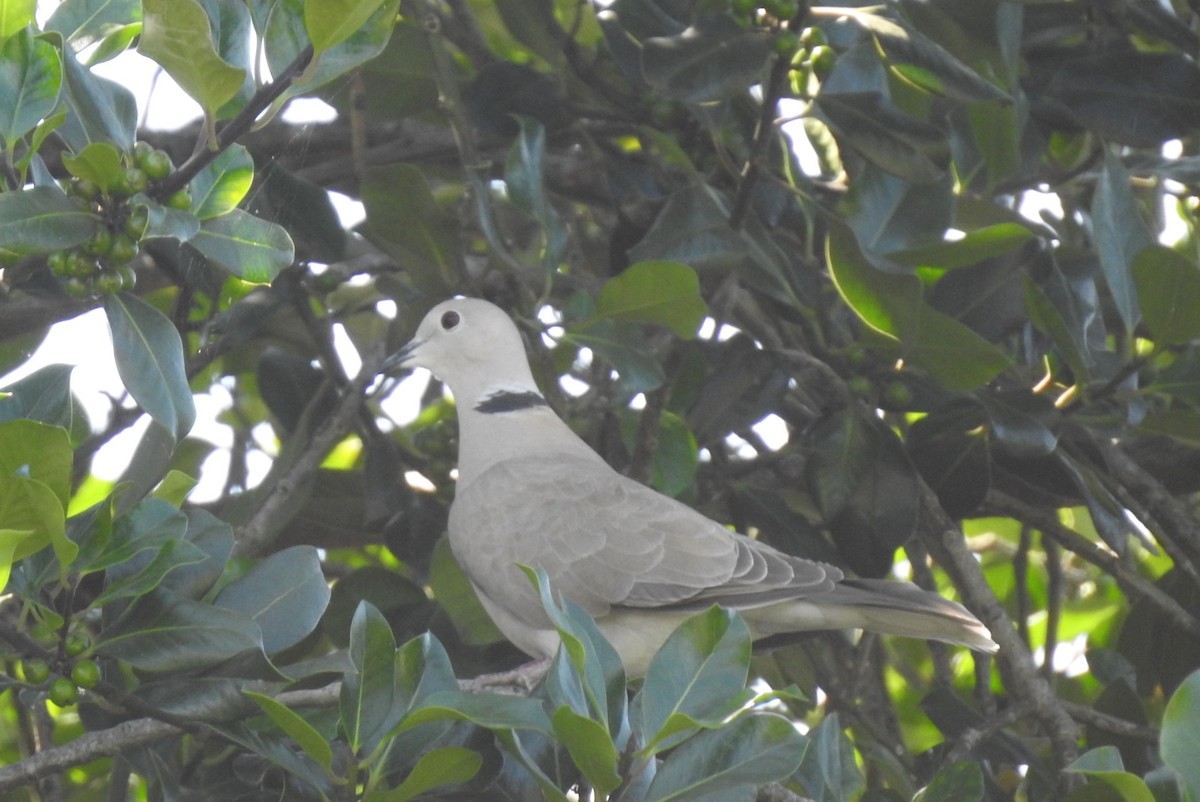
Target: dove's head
[(471, 345)]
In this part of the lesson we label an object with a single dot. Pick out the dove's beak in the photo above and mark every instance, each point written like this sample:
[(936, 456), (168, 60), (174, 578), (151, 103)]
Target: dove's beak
[(404, 358)]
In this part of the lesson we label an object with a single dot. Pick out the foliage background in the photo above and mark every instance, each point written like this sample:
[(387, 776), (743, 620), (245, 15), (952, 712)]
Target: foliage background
[(943, 364)]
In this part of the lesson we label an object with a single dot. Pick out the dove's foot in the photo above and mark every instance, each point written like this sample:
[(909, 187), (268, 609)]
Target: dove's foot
[(519, 681)]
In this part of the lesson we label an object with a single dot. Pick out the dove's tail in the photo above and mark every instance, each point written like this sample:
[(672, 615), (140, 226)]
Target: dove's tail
[(878, 605)]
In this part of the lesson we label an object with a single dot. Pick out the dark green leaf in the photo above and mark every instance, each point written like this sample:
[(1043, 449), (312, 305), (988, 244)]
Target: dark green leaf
[(44, 395), (490, 711), (1180, 743), (696, 679), (30, 79), (962, 782), (1022, 422), (299, 730), (252, 249), (103, 111), (1120, 236), (713, 59), (445, 765), (624, 350), (285, 594), (406, 220), (42, 220), (829, 772), (1168, 291), (165, 632), (149, 356), (662, 292), (753, 750), (972, 248), (953, 457), (368, 691), (170, 555), (591, 747)]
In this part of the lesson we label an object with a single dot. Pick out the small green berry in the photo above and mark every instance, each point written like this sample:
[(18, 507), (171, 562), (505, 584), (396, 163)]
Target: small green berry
[(83, 188), (79, 264), (76, 644), (811, 37), (128, 276), (108, 282), (99, 243), (785, 44), (123, 251), (133, 181), (78, 288), (36, 671), (156, 164), (181, 200), (135, 224), (141, 149), (85, 674), (63, 692), (57, 262), (822, 58)]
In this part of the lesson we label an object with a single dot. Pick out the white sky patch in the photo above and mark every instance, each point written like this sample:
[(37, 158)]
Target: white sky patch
[(347, 354), (350, 212), (308, 110)]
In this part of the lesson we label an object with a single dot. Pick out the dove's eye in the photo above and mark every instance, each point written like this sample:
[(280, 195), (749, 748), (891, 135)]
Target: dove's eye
[(450, 320)]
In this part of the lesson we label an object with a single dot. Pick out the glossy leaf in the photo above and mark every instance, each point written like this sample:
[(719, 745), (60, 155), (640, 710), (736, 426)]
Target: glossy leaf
[(252, 249), (178, 36), (149, 355), (523, 176), (1120, 236), (754, 750), (972, 248), (662, 292), (221, 186), (164, 632), (102, 110), (624, 350), (446, 765), (14, 16), (1104, 766), (285, 594), (591, 747), (172, 554), (696, 679), (1022, 422), (299, 730), (829, 770), (41, 220), (30, 79), (1180, 744), (368, 692), (1168, 291), (27, 505), (490, 711)]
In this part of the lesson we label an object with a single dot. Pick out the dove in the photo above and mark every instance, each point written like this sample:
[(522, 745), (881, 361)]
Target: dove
[(531, 492)]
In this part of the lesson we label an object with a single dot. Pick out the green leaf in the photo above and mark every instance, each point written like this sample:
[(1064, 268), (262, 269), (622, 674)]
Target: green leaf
[(167, 557), (102, 110), (29, 505), (591, 748), (961, 782), (697, 679), (752, 751), (1104, 765), (15, 15), (220, 187), (331, 22), (1120, 235), (892, 304), (38, 451), (926, 63), (164, 632), (30, 80), (83, 22), (252, 249), (177, 34), (974, 247), (149, 355), (526, 187), (490, 711), (894, 141), (285, 594), (662, 292), (712, 60), (445, 765), (44, 395), (10, 541), (624, 350), (99, 162), (42, 220), (299, 730), (1180, 739), (165, 222), (407, 222), (829, 770), (368, 691), (1168, 291)]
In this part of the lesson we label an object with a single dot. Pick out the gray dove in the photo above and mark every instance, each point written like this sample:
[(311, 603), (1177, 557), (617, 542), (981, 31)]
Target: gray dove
[(531, 492)]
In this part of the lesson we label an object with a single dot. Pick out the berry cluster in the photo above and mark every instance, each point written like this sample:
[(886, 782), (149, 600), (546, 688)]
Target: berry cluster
[(63, 682), (101, 264), (780, 17)]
